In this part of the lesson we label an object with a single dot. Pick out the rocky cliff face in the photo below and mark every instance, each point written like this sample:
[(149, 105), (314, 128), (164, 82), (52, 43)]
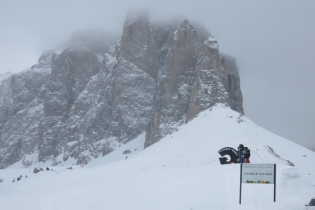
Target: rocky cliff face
[(195, 77), (79, 104)]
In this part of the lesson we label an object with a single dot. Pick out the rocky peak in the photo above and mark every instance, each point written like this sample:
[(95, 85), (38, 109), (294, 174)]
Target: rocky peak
[(185, 25), (81, 102), (45, 55), (212, 44), (192, 82), (185, 35), (137, 43), (136, 17)]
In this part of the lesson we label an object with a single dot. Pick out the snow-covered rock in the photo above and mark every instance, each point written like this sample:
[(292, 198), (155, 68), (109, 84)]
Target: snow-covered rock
[(78, 103)]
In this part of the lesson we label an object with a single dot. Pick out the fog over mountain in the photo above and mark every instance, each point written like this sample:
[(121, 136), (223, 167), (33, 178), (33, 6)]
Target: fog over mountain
[(83, 101), (271, 41)]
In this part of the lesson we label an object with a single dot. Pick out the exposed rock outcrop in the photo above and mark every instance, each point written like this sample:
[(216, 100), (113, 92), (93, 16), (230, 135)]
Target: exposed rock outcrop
[(137, 43), (80, 103), (195, 77)]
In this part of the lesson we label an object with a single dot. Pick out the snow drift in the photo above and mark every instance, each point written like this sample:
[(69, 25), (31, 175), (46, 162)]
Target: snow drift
[(182, 171)]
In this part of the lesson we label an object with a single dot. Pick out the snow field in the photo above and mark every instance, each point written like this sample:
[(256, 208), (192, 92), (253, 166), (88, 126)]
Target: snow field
[(182, 171)]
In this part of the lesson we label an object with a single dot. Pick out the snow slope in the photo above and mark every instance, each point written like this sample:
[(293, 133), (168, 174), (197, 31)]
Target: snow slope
[(180, 172)]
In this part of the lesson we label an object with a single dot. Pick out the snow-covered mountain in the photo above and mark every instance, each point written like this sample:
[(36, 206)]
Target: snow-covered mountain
[(77, 104), (181, 171)]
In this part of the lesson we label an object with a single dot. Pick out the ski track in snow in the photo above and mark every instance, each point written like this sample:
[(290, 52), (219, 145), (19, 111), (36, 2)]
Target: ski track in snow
[(180, 172)]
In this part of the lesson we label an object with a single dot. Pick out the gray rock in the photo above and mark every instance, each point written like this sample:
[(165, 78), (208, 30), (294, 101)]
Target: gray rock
[(85, 100), (137, 43), (21, 110), (36, 170), (194, 78)]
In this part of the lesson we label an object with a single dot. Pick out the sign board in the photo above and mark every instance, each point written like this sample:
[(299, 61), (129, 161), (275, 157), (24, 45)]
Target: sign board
[(258, 174)]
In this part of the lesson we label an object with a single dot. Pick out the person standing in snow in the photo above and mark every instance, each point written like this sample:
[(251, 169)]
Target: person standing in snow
[(240, 153), (246, 155)]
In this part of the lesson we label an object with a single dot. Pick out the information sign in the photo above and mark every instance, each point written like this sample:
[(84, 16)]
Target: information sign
[(258, 174)]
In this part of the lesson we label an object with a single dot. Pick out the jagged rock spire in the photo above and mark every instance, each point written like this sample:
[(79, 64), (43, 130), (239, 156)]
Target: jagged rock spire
[(192, 82), (136, 16), (78, 104), (186, 25), (137, 43)]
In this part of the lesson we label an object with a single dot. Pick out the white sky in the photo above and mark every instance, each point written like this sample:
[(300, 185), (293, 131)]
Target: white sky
[(273, 42)]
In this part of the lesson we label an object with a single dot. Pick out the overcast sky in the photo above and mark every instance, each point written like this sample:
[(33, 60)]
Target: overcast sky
[(273, 42)]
